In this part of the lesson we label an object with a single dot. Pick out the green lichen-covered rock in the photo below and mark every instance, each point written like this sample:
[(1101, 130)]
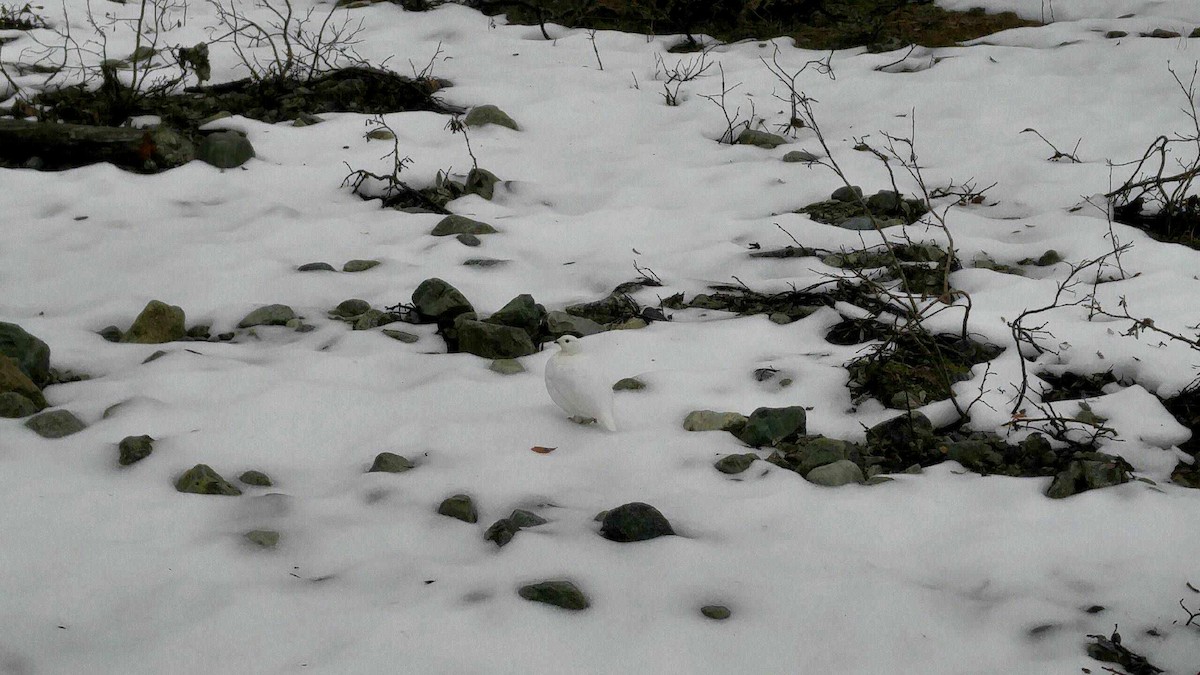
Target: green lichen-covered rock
[(225, 149), (482, 115), (761, 139), (629, 384), (557, 592), (559, 323), (635, 521), (316, 267), (268, 315), (734, 464), (133, 449), (716, 612), (263, 538), (436, 300), (910, 433), (255, 478), (460, 507), (13, 380), (351, 308), (817, 452), (55, 424), (841, 472), (501, 532), (710, 420), (359, 265), (202, 480), (493, 341), (14, 405), (770, 426), (158, 323), (521, 312), (390, 462), (1089, 471), (481, 182), (31, 354), (522, 518), (456, 224), (976, 455)]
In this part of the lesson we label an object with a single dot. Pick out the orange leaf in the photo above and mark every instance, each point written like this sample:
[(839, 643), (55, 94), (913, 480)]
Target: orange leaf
[(542, 451)]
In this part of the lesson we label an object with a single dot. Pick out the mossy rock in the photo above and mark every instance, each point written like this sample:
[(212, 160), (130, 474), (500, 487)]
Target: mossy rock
[(157, 323), (55, 424), (460, 507), (770, 426), (14, 381), (133, 449), (390, 462), (31, 354), (558, 593), (202, 480), (225, 149), (482, 115), (456, 224)]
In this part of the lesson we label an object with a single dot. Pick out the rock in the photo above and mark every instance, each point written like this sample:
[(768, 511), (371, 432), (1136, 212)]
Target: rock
[(407, 338), (492, 341), (456, 224), (710, 420), (255, 478), (14, 405), (202, 480), (55, 424), (801, 156), (482, 115), (769, 426), (373, 318), (732, 464), (460, 507), (615, 308), (390, 462), (351, 308), (558, 593), (14, 380), (841, 472), (1114, 34), (316, 267), (1050, 257), (523, 519), (225, 149), (154, 357), (978, 456), (110, 333), (501, 532), (1163, 33), (629, 384), (1187, 475), (199, 332), (380, 134), (359, 265), (635, 521), (436, 300), (631, 324), (481, 182), (306, 120), (268, 315), (906, 434), (1089, 471), (780, 318), (884, 201), (761, 139), (859, 223), (847, 193), (560, 323), (158, 323), (264, 538), (31, 354), (1195, 33), (133, 449), (818, 452), (484, 263), (468, 239), (523, 313), (716, 612), (506, 366)]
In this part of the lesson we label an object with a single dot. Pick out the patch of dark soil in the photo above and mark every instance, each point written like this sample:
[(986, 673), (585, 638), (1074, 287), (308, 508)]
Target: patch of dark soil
[(1180, 225), (1069, 386), (915, 368)]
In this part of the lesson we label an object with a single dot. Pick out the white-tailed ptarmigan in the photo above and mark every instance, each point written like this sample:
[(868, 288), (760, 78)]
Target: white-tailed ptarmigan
[(575, 386)]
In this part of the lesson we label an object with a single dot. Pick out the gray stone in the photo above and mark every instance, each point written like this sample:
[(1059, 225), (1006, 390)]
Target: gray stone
[(1195, 33), (225, 149), (316, 267), (521, 312), (481, 182), (501, 532), (907, 433), (133, 449), (558, 593), (372, 318), (456, 224), (482, 115), (884, 201), (559, 323), (405, 337), (460, 507), (110, 333), (306, 120), (1089, 471), (629, 384), (523, 518), (506, 366), (263, 538), (468, 239), (769, 426), (380, 134), (635, 323), (155, 356), (14, 380), (493, 341), (1163, 33), (202, 480), (31, 354), (158, 323), (976, 455), (484, 263), (635, 521), (1114, 34), (841, 472), (761, 139), (255, 478), (359, 265), (859, 223), (268, 315), (390, 462), (847, 193), (733, 464), (437, 300), (13, 405), (801, 156), (615, 308), (716, 612), (819, 452), (710, 420), (55, 424), (353, 307)]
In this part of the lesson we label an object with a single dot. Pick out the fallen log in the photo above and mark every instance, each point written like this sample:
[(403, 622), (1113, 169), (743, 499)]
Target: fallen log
[(52, 146)]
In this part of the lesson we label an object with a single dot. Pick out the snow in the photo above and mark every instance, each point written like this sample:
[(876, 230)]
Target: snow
[(109, 569)]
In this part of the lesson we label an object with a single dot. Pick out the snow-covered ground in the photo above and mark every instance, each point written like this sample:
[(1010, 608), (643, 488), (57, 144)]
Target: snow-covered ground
[(109, 569)]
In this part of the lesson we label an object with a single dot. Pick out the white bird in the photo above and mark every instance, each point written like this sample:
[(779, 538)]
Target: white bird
[(576, 387)]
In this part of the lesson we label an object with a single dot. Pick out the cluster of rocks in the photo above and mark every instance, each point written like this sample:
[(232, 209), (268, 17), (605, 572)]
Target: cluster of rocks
[(849, 209), (160, 323), (904, 444), (1160, 33)]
